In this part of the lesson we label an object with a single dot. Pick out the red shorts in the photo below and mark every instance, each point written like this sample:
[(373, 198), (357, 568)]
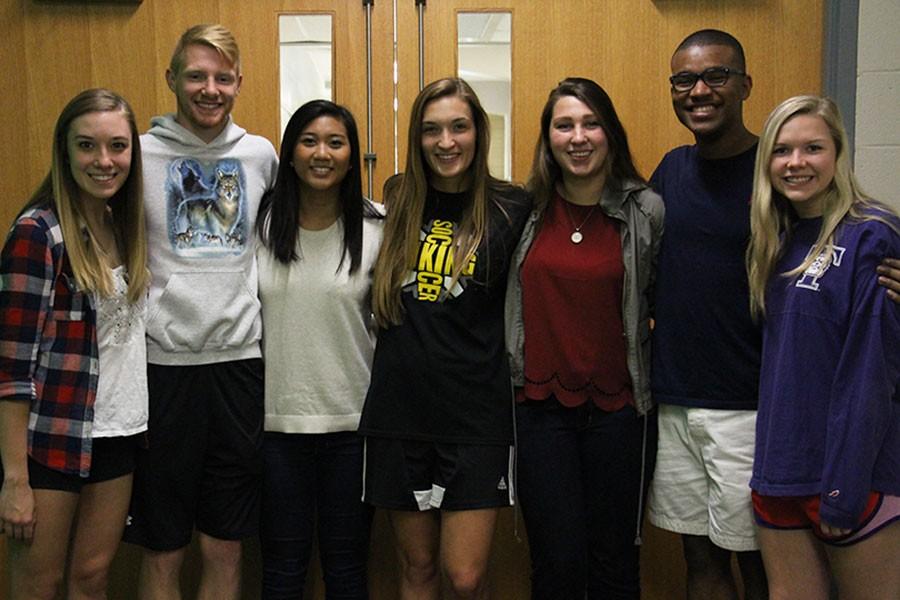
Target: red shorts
[(802, 512)]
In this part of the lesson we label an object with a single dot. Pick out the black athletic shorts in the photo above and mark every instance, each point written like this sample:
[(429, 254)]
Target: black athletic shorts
[(416, 475), (203, 464), (111, 458)]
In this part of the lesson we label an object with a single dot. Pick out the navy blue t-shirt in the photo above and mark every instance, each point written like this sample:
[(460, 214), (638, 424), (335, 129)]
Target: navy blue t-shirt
[(706, 347)]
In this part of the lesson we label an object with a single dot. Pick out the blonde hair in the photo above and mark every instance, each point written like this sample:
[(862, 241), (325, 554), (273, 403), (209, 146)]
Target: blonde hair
[(214, 36), (771, 214), (60, 191), (404, 197)]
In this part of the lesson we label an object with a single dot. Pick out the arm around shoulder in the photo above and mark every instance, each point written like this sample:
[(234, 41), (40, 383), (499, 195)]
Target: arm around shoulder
[(889, 277), (889, 268)]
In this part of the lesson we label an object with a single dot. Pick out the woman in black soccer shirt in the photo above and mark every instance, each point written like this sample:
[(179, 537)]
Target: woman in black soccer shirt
[(438, 415)]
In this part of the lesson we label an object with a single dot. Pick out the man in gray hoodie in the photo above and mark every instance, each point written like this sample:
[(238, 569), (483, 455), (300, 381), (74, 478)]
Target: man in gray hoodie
[(204, 178)]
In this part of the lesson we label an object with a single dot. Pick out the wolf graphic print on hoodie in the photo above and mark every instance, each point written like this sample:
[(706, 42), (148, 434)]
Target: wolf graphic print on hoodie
[(201, 202), (207, 206)]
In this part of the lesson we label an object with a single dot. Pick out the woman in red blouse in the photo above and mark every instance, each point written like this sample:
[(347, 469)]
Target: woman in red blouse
[(73, 282), (578, 324)]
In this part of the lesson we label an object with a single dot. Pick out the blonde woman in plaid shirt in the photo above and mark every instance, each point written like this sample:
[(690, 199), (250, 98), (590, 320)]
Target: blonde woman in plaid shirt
[(73, 283)]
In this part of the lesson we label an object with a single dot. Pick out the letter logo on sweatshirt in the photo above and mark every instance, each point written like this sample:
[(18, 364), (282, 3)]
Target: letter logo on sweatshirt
[(430, 279), (815, 271), (207, 209)]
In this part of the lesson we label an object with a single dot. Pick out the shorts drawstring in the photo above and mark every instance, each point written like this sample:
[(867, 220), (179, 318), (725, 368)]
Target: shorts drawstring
[(515, 484), (637, 534)]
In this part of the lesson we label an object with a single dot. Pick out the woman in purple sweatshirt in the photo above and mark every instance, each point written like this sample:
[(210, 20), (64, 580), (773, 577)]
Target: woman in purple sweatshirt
[(826, 475)]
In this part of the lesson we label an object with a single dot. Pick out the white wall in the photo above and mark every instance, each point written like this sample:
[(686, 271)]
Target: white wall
[(878, 100)]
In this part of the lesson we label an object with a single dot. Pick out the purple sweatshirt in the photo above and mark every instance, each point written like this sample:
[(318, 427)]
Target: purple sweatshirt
[(829, 408)]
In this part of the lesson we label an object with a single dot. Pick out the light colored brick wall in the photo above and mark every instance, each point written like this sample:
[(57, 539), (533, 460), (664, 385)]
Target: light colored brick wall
[(878, 100)]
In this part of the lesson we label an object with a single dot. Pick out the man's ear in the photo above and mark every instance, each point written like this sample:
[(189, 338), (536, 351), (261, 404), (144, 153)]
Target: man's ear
[(747, 85)]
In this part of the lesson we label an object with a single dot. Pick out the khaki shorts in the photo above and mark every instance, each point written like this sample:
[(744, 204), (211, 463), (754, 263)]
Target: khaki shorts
[(702, 481)]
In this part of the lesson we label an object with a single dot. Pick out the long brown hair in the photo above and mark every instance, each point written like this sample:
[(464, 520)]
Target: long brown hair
[(619, 166), (60, 192), (405, 201)]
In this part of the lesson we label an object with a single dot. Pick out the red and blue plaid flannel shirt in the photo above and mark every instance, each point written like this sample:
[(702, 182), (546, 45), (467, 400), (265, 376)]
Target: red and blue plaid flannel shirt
[(48, 343)]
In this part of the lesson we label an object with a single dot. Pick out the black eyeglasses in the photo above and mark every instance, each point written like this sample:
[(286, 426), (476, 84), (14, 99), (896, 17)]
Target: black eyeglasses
[(713, 77)]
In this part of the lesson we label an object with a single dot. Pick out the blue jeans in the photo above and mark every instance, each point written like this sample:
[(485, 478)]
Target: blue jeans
[(579, 484), (314, 481)]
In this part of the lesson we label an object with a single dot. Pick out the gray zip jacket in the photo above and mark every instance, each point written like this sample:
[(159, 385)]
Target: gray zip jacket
[(641, 212)]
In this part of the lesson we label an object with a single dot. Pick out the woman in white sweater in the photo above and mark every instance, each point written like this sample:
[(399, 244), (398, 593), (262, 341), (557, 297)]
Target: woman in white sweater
[(319, 240)]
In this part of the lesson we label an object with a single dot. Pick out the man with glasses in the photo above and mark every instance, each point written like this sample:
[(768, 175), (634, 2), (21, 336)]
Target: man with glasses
[(706, 349)]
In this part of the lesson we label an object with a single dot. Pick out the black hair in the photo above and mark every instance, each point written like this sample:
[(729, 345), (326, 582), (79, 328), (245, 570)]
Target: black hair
[(278, 223), (715, 37)]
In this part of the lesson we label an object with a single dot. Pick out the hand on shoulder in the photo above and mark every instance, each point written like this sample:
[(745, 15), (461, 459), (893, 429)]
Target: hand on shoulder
[(889, 278)]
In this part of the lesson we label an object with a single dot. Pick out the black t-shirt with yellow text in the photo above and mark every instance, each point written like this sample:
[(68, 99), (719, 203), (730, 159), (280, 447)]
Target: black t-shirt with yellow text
[(442, 374)]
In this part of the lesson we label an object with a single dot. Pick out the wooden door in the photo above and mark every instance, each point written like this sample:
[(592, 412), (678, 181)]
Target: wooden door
[(54, 49), (623, 45)]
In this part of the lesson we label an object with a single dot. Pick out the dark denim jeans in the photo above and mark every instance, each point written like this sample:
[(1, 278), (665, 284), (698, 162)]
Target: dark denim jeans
[(579, 484), (314, 482)]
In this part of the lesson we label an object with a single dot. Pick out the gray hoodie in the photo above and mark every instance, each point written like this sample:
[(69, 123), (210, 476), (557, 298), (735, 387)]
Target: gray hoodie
[(201, 202)]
